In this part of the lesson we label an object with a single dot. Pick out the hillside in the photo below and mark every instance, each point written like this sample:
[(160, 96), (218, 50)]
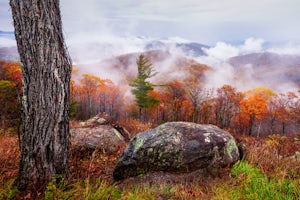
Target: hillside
[(270, 68), (9, 54), (169, 65), (187, 48), (176, 59)]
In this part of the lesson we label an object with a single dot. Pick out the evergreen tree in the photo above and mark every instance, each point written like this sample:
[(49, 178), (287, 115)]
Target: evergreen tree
[(141, 86)]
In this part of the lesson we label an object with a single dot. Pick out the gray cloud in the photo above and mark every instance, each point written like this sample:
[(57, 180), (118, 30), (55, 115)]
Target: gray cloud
[(202, 21), (6, 23)]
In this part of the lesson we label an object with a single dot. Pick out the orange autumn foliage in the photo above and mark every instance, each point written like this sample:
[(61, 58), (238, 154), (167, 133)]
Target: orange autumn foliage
[(10, 92), (253, 108), (94, 95)]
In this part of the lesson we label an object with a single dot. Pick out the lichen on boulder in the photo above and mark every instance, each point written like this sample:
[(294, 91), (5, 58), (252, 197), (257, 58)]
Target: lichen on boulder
[(177, 147)]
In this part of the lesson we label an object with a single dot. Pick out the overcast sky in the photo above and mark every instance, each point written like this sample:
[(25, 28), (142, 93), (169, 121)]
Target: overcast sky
[(204, 21)]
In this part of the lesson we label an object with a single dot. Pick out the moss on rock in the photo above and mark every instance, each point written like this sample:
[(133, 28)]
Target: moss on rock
[(177, 147)]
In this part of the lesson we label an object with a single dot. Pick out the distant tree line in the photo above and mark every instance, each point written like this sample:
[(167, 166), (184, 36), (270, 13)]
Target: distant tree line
[(259, 111)]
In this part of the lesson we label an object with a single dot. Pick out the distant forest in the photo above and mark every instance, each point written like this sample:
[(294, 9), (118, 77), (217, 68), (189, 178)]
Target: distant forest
[(259, 111)]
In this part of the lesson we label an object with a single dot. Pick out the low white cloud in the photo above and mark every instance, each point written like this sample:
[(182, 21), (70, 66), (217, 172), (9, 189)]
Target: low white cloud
[(176, 40), (252, 45), (286, 50), (91, 47), (222, 51), (244, 77), (7, 42)]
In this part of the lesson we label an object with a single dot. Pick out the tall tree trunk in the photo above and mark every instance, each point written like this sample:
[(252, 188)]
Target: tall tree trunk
[(140, 114), (251, 123), (46, 71)]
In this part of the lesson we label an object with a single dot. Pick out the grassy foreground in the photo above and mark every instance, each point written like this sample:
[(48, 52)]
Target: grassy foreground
[(271, 170)]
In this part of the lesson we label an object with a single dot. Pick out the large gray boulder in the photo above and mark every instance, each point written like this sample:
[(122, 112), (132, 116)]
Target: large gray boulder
[(177, 147)]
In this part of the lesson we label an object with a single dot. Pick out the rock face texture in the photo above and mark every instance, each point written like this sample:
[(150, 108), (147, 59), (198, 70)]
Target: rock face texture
[(95, 121), (177, 147), (104, 138), (99, 133)]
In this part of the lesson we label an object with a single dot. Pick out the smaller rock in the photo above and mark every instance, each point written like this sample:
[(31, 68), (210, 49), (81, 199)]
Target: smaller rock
[(95, 121), (104, 138), (296, 139), (82, 123)]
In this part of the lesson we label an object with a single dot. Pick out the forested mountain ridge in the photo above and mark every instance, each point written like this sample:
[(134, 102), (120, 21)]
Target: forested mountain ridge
[(168, 66), (270, 67)]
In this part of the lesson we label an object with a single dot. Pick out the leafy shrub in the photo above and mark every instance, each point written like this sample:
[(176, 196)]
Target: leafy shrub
[(8, 190)]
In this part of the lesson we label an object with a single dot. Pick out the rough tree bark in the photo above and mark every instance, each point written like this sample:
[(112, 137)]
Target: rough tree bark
[(46, 71)]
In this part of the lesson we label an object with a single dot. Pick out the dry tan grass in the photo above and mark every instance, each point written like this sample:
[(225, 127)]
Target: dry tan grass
[(9, 157), (274, 155), (134, 126)]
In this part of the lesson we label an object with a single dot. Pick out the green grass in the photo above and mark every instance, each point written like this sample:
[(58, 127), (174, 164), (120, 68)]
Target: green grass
[(103, 190), (82, 190), (7, 190), (250, 183), (247, 183)]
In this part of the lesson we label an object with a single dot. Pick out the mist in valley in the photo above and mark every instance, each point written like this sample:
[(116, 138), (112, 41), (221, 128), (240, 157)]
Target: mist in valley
[(102, 56)]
